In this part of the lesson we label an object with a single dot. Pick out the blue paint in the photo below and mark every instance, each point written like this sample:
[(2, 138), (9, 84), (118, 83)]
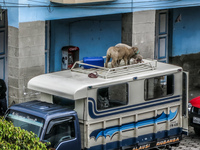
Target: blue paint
[(186, 33), (40, 10), (151, 138), (13, 12), (98, 114), (93, 36), (59, 38), (131, 126)]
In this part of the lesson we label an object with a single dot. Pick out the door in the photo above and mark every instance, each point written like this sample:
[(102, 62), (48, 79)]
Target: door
[(47, 45), (63, 133), (161, 52), (3, 45), (185, 102)]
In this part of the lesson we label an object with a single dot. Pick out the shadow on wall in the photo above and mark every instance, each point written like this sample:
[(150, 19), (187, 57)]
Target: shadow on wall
[(191, 64)]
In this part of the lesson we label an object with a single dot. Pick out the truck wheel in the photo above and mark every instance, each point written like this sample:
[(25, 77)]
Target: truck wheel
[(197, 130)]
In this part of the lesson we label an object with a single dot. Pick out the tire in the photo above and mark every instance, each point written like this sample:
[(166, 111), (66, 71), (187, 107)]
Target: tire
[(197, 130)]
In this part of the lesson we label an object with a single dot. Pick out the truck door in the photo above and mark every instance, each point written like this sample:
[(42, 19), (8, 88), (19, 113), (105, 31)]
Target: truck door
[(185, 102), (62, 134)]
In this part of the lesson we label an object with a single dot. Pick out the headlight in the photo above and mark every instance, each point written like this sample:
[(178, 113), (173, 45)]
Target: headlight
[(189, 106)]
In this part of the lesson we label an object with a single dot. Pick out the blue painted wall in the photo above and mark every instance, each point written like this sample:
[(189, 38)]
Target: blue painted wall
[(186, 33), (92, 35), (37, 10)]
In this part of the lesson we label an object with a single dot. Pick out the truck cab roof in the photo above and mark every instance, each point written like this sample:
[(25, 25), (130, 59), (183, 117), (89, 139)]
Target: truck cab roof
[(42, 109)]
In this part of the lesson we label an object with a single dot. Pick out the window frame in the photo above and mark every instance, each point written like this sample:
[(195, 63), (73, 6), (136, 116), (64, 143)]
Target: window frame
[(59, 121), (109, 108), (173, 85)]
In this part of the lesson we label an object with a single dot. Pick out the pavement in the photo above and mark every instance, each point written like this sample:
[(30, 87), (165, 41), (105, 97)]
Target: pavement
[(190, 142)]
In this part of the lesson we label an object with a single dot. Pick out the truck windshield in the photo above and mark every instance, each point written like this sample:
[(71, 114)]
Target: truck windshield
[(25, 121)]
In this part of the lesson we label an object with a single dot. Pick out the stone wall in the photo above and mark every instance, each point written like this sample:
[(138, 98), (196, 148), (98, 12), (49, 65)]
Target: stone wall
[(191, 64), (138, 29), (144, 32), (26, 57)]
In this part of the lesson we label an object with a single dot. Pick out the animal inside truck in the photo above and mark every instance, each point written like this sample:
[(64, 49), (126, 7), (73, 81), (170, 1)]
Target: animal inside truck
[(139, 106)]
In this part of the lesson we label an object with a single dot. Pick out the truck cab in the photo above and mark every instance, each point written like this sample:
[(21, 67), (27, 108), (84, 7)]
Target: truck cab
[(50, 122)]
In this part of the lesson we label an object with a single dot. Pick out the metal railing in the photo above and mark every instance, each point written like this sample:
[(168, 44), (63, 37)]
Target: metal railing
[(117, 71)]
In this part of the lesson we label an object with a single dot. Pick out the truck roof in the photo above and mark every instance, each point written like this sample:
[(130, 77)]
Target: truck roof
[(73, 84), (42, 109)]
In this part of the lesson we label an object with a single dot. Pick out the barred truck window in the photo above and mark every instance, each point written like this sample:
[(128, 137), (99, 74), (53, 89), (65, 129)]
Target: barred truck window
[(112, 96), (158, 87)]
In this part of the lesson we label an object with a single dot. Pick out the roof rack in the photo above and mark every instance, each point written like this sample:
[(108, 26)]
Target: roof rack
[(109, 72)]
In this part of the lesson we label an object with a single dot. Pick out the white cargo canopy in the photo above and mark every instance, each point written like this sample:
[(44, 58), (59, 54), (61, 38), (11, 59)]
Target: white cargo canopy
[(74, 85)]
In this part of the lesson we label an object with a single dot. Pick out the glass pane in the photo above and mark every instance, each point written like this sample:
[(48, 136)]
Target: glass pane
[(162, 47), (2, 22), (25, 121), (60, 132), (162, 23), (2, 61), (158, 87), (113, 96), (2, 42)]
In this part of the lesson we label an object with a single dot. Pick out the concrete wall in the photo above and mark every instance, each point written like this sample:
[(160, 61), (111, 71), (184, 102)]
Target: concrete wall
[(144, 32), (138, 29), (127, 29), (26, 57)]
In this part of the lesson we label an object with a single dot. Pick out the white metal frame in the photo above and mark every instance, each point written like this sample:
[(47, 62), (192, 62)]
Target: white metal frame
[(115, 72)]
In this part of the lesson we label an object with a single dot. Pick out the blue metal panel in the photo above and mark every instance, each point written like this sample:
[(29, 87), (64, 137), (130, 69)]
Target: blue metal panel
[(93, 36), (186, 33)]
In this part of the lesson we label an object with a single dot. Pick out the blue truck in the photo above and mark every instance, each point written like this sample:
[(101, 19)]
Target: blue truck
[(140, 106)]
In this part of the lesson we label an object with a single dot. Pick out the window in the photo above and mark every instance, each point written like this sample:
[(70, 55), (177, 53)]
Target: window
[(60, 130), (158, 87), (63, 102), (112, 96), (25, 121)]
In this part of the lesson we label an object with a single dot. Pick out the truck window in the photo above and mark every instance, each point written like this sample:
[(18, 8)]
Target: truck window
[(112, 96), (157, 87), (59, 131), (63, 101), (25, 121)]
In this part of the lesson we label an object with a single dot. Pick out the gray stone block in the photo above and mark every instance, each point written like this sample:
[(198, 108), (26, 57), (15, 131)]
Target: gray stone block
[(13, 51), (13, 62), (13, 72), (13, 92)]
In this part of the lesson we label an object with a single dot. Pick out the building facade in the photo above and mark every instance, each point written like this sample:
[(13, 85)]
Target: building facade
[(33, 33)]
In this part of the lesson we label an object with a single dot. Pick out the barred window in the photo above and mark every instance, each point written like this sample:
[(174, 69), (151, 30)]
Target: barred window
[(112, 96), (158, 87)]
